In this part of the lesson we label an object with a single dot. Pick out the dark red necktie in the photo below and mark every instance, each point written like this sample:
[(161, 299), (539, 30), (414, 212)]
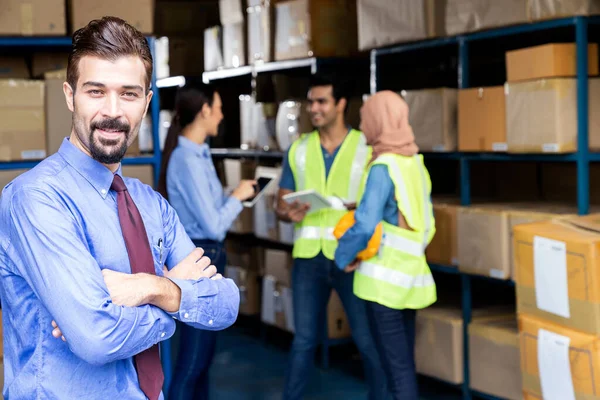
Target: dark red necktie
[(149, 369)]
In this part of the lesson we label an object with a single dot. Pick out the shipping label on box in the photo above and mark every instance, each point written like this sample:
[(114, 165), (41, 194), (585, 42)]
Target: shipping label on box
[(558, 271)]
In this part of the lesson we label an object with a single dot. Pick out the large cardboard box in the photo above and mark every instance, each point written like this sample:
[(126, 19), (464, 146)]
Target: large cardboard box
[(235, 171), (482, 119), (48, 62), (385, 22), (554, 60), (277, 304), (473, 15), (247, 281), (58, 116), (145, 173), (433, 117), (315, 28), (33, 17), (278, 264), (483, 237), (232, 11), (548, 9), (338, 326), (22, 120), (558, 360), (443, 248), (494, 357), (12, 67), (541, 115), (558, 271), (138, 13), (261, 29)]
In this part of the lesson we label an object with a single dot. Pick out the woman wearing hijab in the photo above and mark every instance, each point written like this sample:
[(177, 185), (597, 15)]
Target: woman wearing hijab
[(396, 192)]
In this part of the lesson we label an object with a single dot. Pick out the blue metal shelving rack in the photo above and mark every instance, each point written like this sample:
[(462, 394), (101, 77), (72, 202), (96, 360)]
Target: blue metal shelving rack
[(64, 44)]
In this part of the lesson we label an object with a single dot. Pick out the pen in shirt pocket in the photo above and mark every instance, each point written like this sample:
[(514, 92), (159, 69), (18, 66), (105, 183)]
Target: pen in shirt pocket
[(160, 250)]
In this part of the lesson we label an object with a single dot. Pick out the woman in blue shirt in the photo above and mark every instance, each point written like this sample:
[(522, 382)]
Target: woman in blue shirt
[(189, 181)]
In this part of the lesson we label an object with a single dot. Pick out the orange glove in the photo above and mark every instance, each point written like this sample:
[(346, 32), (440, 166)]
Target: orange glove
[(347, 222)]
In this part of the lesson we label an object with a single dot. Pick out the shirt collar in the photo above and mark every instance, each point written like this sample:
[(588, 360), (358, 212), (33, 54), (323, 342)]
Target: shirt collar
[(94, 172), (200, 149)]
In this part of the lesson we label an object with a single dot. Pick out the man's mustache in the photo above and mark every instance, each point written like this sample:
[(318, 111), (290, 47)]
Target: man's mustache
[(111, 125)]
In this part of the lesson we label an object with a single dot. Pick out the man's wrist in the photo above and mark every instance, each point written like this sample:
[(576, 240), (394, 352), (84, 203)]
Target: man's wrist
[(163, 293)]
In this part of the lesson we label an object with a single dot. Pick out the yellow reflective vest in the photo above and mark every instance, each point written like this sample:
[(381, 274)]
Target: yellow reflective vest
[(315, 233), (398, 276)]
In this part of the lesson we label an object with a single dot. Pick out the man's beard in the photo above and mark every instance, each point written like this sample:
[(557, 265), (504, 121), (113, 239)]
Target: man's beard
[(116, 154)]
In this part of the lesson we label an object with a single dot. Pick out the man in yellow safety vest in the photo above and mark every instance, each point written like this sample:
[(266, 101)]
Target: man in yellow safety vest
[(331, 160)]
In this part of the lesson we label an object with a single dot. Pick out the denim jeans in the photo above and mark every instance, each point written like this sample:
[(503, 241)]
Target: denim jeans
[(394, 333), (197, 347), (312, 282)]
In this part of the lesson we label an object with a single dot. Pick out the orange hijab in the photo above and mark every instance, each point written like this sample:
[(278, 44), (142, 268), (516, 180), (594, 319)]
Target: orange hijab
[(384, 121)]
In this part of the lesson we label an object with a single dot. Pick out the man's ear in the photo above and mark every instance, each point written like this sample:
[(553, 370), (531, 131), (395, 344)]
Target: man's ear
[(341, 105), (148, 100), (69, 93)]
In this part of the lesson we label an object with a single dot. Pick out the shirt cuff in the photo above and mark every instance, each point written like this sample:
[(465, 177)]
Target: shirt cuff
[(166, 326), (234, 205), (188, 307)]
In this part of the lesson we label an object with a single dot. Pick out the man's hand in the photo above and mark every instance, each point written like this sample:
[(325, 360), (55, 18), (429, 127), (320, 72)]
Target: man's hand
[(193, 267), (129, 290), (294, 212), (352, 266)]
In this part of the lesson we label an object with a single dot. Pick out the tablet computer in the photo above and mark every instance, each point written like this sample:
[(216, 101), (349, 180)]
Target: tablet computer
[(317, 201), (262, 183)]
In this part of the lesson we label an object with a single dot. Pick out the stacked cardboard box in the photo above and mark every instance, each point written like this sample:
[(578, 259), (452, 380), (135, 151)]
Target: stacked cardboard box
[(549, 9), (443, 248), (33, 18), (558, 297), (473, 15), (244, 267), (235, 171), (139, 13)]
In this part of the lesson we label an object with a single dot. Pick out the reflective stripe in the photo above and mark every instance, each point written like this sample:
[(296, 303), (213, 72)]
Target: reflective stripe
[(314, 233), (403, 244), (426, 205), (394, 277), (358, 168), (301, 150)]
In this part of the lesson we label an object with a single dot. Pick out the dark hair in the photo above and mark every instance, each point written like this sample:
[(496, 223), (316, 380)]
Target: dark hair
[(339, 89), (108, 38), (189, 101)]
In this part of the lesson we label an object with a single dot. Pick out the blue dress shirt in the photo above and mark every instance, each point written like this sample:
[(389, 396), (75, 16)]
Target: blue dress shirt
[(196, 193), (377, 204), (59, 229)]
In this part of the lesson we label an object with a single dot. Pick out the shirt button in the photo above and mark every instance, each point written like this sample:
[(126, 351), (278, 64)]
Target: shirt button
[(210, 322), (103, 191), (163, 334), (186, 315)]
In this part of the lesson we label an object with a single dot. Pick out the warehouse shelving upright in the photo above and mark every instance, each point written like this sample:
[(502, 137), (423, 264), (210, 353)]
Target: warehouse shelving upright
[(47, 44)]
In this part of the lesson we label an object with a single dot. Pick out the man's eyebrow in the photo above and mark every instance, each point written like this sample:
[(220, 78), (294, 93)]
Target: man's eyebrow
[(133, 87), (92, 83), (102, 85)]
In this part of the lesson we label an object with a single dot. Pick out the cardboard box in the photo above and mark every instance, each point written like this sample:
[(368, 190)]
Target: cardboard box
[(338, 326), (315, 28), (13, 68), (554, 60), (483, 237), (494, 357), (232, 11), (558, 360), (278, 264), (58, 116), (234, 45), (473, 15), (549, 9), (235, 171), (184, 18), (145, 173), (443, 249), (186, 56), (385, 22), (213, 49), (433, 117), (482, 119), (22, 120), (276, 306), (558, 271), (266, 225), (33, 18), (48, 62), (138, 13), (541, 116), (261, 38), (439, 332), (247, 282)]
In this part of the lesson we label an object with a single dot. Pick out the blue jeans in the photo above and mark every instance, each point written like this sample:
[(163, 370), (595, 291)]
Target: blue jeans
[(394, 333), (197, 347), (312, 282)]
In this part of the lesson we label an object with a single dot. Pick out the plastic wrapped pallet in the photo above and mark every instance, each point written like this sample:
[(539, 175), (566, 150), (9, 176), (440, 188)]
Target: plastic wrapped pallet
[(266, 225), (292, 120), (433, 117), (235, 171), (257, 124), (234, 42), (260, 31), (549, 9), (541, 115), (385, 22), (473, 15), (213, 53), (556, 360)]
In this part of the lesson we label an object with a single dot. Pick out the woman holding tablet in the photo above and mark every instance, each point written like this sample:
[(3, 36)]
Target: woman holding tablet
[(397, 281), (189, 181)]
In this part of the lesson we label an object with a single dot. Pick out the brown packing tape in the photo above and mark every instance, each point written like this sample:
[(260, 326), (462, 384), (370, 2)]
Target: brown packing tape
[(584, 315), (27, 19), (502, 334)]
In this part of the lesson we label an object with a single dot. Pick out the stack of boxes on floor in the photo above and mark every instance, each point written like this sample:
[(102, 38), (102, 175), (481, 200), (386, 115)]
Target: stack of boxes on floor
[(34, 117)]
